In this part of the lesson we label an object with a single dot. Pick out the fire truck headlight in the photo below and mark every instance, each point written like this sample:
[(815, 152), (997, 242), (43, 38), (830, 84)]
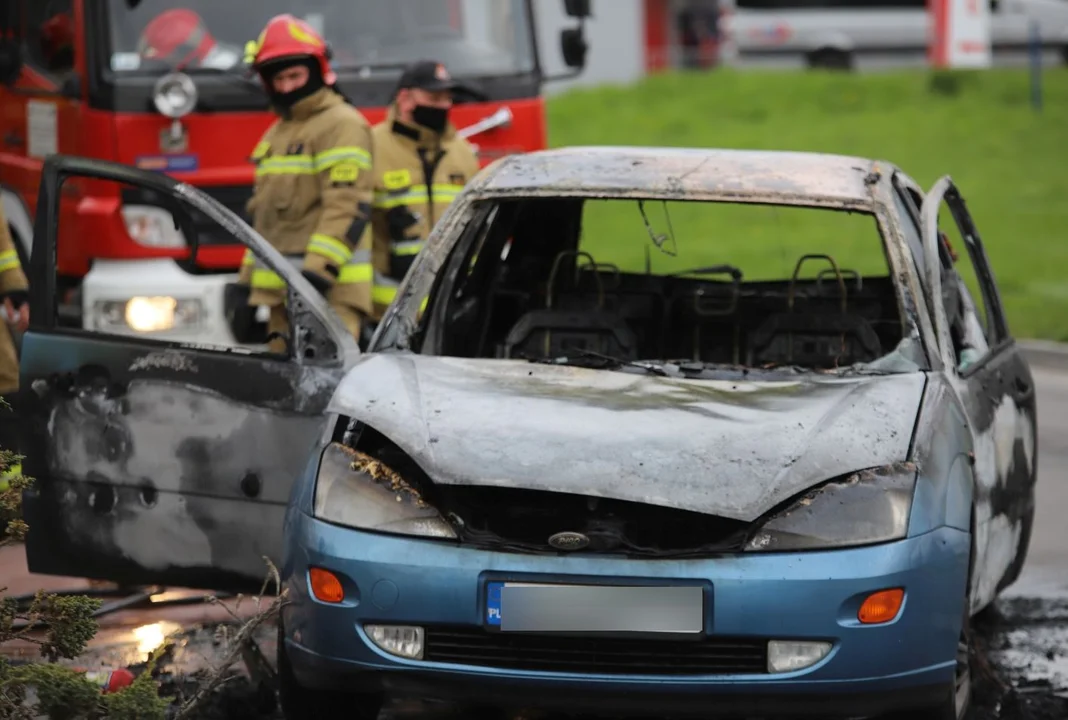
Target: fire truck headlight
[(175, 95), (147, 314), (152, 227)]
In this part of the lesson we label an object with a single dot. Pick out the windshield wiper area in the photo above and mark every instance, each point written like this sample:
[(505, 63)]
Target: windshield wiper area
[(591, 359)]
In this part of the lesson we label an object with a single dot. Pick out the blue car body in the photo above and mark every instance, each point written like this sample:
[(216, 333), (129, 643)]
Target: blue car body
[(440, 414), (810, 596), (777, 501)]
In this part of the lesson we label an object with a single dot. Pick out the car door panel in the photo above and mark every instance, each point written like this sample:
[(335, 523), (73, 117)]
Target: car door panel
[(999, 403), (159, 463)]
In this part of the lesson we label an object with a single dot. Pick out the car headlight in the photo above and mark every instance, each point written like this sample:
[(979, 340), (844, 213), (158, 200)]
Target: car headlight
[(152, 226), (867, 507), (357, 491), (148, 314)]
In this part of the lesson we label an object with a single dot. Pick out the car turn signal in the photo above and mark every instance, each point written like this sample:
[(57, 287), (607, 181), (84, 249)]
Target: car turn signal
[(325, 586), (881, 607)]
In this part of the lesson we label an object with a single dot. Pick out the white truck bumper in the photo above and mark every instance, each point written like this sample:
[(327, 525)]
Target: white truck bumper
[(156, 299)]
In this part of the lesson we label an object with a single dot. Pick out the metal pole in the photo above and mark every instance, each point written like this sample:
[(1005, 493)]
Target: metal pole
[(1035, 47)]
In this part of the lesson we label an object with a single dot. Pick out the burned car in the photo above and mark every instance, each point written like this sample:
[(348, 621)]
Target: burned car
[(646, 430)]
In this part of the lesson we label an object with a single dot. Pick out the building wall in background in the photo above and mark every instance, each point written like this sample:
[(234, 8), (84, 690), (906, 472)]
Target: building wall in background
[(615, 33)]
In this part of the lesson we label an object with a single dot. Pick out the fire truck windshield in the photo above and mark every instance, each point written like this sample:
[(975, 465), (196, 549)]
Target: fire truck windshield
[(370, 37)]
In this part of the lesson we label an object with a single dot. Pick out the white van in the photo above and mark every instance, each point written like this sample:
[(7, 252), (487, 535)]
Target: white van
[(845, 33)]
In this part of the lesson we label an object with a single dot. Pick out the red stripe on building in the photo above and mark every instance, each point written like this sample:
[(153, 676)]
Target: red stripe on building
[(938, 46), (657, 36)]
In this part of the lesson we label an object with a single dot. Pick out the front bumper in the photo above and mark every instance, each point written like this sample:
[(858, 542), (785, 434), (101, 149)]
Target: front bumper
[(813, 596)]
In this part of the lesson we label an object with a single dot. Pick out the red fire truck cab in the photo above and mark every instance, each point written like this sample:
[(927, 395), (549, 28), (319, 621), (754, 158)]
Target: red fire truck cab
[(77, 80)]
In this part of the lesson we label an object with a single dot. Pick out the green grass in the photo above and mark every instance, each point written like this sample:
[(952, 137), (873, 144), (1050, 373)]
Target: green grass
[(1010, 162)]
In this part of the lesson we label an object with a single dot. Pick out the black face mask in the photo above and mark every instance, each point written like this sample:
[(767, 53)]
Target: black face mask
[(432, 118), (284, 101)]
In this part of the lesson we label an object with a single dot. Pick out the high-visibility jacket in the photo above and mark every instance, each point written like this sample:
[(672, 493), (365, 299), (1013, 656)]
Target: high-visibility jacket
[(312, 200), (417, 174), (12, 279)]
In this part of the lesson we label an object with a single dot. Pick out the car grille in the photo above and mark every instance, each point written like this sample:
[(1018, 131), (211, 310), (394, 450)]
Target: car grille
[(609, 656), (209, 233), (518, 520)]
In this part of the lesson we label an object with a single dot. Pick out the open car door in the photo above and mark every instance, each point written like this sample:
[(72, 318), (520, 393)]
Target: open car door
[(993, 382), (159, 462)]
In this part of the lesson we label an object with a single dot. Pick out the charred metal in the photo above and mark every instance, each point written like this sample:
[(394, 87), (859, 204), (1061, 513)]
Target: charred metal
[(543, 391)]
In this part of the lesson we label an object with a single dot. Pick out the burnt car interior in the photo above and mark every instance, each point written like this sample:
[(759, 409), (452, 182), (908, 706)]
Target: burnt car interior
[(525, 285)]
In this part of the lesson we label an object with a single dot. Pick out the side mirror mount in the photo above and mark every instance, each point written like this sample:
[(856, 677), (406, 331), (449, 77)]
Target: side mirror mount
[(10, 61), (574, 47), (577, 8)]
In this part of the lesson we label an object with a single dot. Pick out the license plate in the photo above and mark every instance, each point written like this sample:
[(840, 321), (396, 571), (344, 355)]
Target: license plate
[(532, 607)]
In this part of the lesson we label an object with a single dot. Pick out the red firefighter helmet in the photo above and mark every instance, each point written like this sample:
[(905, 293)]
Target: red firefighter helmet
[(286, 36), (178, 35)]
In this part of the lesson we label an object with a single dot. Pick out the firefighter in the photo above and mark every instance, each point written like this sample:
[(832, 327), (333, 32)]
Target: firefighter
[(57, 42), (421, 164), (15, 293), (313, 188)]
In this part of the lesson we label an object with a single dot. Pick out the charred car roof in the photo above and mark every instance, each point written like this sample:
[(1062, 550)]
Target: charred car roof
[(693, 173)]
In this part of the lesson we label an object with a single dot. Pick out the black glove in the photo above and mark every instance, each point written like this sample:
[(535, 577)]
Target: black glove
[(318, 282), (367, 330), (18, 298), (241, 316), (399, 220)]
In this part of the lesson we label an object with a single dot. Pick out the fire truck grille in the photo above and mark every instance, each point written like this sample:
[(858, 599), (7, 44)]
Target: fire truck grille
[(209, 232)]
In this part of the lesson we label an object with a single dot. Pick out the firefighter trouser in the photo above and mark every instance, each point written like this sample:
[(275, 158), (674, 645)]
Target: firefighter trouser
[(357, 271), (279, 323), (385, 292), (9, 361), (9, 420)]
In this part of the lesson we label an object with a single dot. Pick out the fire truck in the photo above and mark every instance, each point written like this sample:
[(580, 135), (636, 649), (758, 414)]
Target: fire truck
[(74, 80)]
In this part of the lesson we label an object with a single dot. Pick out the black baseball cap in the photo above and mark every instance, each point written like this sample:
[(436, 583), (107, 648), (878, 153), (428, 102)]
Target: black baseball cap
[(433, 76), (429, 75)]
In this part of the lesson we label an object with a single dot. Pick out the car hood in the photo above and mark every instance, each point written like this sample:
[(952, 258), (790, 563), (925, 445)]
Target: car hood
[(732, 449)]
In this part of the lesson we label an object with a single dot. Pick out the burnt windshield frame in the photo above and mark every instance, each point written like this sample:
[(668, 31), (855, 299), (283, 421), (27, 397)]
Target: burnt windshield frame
[(910, 354), (224, 91)]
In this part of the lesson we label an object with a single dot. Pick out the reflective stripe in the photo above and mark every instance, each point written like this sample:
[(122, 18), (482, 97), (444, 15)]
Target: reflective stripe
[(357, 270), (353, 274), (386, 295), (407, 247), (313, 164), (330, 248), (335, 156), (263, 278), (9, 260), (286, 165), (414, 194), (249, 258), (259, 151), (383, 295), (444, 192), (384, 291)]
